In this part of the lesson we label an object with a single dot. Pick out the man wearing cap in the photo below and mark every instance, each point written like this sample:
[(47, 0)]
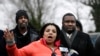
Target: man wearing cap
[(23, 32)]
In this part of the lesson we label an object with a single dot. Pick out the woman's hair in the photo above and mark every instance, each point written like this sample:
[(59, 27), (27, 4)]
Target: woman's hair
[(44, 27)]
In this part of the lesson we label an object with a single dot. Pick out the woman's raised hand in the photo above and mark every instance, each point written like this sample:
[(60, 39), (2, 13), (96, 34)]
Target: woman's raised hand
[(9, 37)]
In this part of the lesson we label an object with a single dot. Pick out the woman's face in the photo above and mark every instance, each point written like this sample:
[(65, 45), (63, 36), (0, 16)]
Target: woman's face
[(50, 34)]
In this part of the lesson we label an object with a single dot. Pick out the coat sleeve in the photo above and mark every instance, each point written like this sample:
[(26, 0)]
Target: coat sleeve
[(14, 51)]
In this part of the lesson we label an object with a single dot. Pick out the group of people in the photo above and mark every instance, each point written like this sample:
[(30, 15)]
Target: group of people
[(25, 40)]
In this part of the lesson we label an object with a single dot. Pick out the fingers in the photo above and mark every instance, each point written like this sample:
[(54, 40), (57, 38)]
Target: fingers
[(12, 34), (5, 34), (8, 35)]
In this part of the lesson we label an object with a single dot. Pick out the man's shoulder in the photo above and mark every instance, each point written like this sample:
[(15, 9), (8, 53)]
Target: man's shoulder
[(82, 34), (33, 34), (33, 31)]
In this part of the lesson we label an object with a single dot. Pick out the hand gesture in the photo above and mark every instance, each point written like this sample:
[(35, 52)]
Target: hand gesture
[(9, 37)]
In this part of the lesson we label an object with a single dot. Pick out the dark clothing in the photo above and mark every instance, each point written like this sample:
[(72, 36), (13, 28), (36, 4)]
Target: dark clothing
[(80, 42), (2, 53), (20, 40), (24, 40), (1, 34), (3, 47), (97, 47)]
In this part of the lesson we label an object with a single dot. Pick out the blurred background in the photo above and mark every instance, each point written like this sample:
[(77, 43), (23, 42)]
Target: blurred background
[(44, 11)]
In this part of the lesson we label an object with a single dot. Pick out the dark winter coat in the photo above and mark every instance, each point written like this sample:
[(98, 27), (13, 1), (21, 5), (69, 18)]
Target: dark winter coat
[(81, 43), (97, 47)]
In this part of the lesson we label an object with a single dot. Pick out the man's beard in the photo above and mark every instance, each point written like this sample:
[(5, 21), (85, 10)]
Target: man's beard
[(22, 25), (68, 31)]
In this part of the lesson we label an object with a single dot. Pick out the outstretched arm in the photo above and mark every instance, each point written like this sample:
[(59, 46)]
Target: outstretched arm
[(11, 46)]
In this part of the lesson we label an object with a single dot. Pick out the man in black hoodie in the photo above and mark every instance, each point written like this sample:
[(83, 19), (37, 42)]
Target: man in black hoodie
[(79, 25), (23, 32), (78, 42)]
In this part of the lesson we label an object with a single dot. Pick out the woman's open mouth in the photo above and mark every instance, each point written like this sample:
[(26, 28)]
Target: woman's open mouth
[(50, 37)]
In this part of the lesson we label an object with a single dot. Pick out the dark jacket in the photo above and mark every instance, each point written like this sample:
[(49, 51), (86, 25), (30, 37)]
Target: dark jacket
[(97, 47), (20, 40), (1, 34), (81, 42)]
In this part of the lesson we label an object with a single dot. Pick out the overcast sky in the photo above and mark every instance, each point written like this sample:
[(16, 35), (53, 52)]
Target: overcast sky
[(57, 8)]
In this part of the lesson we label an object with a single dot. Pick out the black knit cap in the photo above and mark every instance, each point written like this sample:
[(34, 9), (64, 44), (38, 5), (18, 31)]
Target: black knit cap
[(21, 13)]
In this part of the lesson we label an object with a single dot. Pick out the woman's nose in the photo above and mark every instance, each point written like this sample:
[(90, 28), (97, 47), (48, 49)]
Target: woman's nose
[(50, 32)]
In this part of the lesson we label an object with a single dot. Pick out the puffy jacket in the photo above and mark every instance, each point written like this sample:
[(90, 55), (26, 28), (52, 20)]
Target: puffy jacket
[(37, 48)]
